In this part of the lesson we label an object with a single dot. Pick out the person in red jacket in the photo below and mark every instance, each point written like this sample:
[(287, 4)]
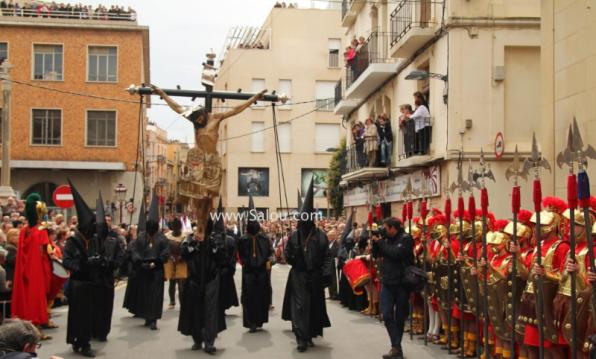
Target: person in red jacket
[(32, 276)]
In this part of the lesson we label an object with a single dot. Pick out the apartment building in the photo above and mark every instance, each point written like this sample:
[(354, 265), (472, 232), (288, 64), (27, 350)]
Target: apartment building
[(478, 65), (295, 52), (70, 117)]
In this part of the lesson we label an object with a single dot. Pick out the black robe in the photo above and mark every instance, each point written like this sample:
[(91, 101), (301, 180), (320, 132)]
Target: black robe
[(201, 315), (103, 287), (228, 297), (255, 253), (81, 302), (347, 297), (304, 300), (132, 295), (144, 297)]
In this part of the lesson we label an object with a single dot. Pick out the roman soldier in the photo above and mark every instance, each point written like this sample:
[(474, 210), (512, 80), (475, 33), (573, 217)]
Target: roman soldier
[(562, 306), (416, 298), (554, 251), (307, 251), (437, 226), (32, 271)]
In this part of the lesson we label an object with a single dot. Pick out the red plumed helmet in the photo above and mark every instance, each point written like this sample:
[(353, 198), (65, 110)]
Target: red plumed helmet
[(490, 220), (500, 225), (417, 220), (435, 211), (466, 215), (554, 204), (524, 216), (436, 220), (593, 203)]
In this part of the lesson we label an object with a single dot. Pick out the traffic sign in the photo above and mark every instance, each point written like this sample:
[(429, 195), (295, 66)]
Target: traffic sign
[(63, 197)]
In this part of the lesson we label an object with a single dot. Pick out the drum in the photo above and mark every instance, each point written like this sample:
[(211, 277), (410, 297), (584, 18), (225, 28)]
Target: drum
[(358, 274), (58, 269)]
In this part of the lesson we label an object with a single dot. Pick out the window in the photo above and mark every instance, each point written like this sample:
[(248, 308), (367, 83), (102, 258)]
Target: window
[(47, 62), (258, 137), (101, 128), (284, 133), (103, 64), (325, 95), (47, 127), (257, 85), (326, 136), (3, 51), (334, 46), (285, 88)]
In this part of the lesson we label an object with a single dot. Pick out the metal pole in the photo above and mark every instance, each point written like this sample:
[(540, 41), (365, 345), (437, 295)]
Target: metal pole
[(121, 218)]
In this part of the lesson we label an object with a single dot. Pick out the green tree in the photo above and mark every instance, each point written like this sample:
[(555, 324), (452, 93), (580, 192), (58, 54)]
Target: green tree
[(334, 177)]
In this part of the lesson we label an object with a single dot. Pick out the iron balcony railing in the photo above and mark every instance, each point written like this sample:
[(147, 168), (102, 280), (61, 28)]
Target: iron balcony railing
[(84, 14), (375, 50), (338, 93), (407, 15), (411, 144), (345, 7), (356, 159)]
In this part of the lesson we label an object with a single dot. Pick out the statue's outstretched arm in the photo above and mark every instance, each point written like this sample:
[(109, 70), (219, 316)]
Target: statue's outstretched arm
[(238, 109), (173, 104)]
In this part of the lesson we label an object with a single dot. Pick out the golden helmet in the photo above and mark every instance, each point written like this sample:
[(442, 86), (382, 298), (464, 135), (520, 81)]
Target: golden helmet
[(594, 228), (467, 229), (41, 209), (478, 230), (548, 221), (523, 231), (579, 217), (416, 232), (494, 238), (438, 232)]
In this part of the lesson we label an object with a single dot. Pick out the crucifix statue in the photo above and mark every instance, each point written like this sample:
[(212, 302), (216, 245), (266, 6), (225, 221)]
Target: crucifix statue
[(202, 182)]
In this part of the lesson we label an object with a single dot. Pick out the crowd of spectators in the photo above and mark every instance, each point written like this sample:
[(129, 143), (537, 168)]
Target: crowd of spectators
[(292, 5), (66, 11)]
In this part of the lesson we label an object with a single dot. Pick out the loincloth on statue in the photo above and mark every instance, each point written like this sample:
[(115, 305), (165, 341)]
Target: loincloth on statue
[(203, 177)]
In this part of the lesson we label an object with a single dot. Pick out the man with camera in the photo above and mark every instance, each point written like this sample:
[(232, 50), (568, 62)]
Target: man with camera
[(395, 246)]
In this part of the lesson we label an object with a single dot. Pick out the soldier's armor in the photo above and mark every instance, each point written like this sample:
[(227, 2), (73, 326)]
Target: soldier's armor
[(470, 283), (528, 312)]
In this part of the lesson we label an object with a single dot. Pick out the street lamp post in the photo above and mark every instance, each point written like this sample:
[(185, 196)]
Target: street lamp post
[(120, 191)]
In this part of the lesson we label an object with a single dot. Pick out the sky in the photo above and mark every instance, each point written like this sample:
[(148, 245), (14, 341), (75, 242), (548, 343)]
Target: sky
[(181, 33)]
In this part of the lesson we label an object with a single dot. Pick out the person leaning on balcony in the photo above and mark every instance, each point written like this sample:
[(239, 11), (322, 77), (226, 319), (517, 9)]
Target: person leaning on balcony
[(371, 142), (386, 139), (358, 146), (421, 117), (360, 43), (406, 125)]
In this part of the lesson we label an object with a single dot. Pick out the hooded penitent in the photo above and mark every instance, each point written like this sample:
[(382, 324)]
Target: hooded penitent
[(299, 200), (142, 226), (85, 215), (153, 217), (219, 226), (252, 223), (306, 221)]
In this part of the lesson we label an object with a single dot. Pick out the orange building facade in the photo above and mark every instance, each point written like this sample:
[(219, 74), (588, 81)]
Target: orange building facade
[(56, 134)]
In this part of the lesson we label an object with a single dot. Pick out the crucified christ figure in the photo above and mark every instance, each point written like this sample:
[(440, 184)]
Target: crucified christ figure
[(202, 182)]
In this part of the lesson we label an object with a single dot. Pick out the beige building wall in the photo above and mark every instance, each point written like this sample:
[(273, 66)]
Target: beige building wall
[(297, 51), (569, 79), (491, 53)]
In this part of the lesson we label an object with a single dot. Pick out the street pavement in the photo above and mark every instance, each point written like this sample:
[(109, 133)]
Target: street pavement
[(352, 335)]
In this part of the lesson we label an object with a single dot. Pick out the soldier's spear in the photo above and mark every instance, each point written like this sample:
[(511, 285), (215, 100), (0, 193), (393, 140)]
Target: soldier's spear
[(447, 211), (514, 171), (535, 163), (472, 210), (407, 193), (482, 174), (423, 215), (460, 186)]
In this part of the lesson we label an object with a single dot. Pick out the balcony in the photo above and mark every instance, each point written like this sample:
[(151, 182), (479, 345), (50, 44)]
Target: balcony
[(370, 68), (342, 106), (349, 11), (413, 150), (412, 25), (356, 168), (48, 11)]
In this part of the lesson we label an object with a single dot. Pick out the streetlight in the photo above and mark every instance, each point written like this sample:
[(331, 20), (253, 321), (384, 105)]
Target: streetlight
[(120, 191), (423, 75)]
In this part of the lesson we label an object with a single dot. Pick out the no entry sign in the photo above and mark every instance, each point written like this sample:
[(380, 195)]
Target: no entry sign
[(63, 197)]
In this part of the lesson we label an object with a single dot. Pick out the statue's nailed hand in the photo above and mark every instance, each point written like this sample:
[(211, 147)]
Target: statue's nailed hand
[(156, 90)]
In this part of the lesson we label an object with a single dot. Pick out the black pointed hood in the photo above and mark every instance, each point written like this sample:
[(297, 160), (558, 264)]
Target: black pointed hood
[(252, 222), (85, 215), (306, 221), (142, 226), (347, 228), (219, 226), (153, 216), (100, 219)]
